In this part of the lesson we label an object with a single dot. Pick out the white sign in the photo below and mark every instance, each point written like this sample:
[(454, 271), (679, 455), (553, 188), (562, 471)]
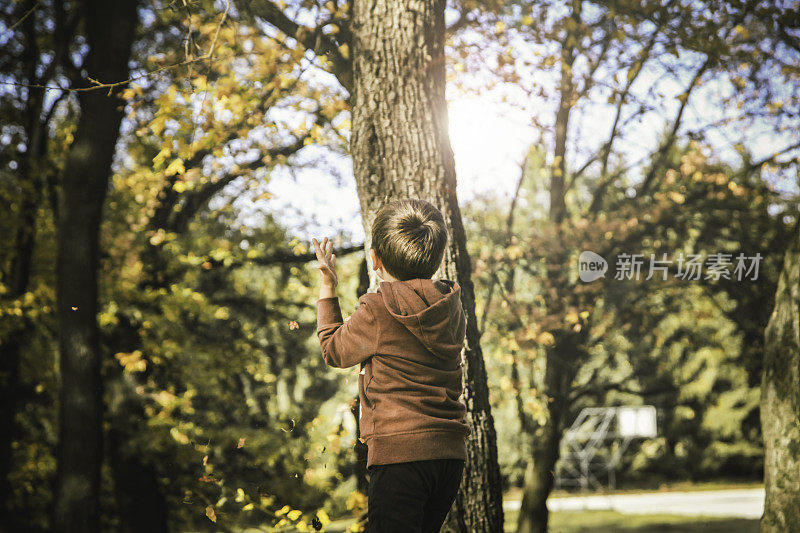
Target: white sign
[(637, 421)]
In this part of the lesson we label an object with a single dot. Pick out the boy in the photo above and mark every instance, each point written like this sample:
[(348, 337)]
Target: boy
[(407, 337)]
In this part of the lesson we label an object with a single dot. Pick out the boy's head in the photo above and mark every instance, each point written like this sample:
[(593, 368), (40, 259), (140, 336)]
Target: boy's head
[(409, 238)]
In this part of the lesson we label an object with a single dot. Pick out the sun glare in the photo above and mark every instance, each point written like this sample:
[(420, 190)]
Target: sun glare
[(488, 140)]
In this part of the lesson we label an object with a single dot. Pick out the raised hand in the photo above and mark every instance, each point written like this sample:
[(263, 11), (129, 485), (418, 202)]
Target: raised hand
[(327, 262)]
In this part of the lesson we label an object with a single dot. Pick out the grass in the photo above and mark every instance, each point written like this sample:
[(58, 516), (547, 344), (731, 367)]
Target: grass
[(614, 522)]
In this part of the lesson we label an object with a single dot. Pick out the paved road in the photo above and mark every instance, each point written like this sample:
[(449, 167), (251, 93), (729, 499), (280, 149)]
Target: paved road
[(740, 503)]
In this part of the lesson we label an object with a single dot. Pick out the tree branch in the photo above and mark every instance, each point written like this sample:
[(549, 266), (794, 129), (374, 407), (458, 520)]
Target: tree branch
[(312, 39)]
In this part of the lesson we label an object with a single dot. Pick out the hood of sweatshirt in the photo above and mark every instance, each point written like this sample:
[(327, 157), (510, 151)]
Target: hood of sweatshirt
[(430, 309)]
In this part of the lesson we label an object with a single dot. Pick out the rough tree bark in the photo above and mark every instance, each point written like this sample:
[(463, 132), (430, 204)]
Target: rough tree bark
[(780, 401), (109, 29), (400, 148)]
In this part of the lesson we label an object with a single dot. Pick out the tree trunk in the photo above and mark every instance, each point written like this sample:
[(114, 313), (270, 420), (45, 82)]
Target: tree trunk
[(780, 401), (533, 513), (135, 478), (400, 149), (561, 357), (18, 276), (546, 446), (139, 496), (109, 28), (362, 482)]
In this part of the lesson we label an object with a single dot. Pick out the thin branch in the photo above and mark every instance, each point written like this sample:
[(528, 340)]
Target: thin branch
[(21, 20), (110, 86)]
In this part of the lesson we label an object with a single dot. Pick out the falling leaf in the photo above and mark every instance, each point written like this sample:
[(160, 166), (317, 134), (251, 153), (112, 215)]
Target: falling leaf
[(74, 307), (205, 460), (293, 324), (211, 514), (241, 443)]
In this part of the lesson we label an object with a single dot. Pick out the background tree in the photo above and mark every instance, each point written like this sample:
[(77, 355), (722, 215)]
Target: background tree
[(779, 400), (594, 55), (109, 34)]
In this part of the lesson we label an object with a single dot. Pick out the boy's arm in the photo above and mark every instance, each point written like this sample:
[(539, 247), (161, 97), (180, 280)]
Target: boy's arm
[(345, 344)]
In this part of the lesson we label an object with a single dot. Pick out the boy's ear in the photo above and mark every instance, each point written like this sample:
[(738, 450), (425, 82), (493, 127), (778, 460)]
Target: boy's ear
[(376, 261)]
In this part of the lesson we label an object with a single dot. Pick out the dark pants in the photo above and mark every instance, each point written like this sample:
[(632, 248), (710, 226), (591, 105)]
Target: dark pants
[(412, 497)]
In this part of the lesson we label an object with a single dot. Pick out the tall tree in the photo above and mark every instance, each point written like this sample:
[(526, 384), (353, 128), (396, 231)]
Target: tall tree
[(109, 29), (34, 55), (592, 62), (390, 57), (400, 148), (780, 400)]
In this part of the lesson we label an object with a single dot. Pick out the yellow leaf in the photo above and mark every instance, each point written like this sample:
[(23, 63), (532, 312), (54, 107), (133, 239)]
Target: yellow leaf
[(176, 167), (294, 515), (676, 197), (158, 237), (263, 196), (161, 156), (211, 514), (178, 436), (132, 362), (324, 519), (344, 50), (545, 338), (514, 252)]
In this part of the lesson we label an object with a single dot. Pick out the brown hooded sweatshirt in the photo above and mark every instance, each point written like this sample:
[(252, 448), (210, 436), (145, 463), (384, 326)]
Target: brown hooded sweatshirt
[(407, 337)]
